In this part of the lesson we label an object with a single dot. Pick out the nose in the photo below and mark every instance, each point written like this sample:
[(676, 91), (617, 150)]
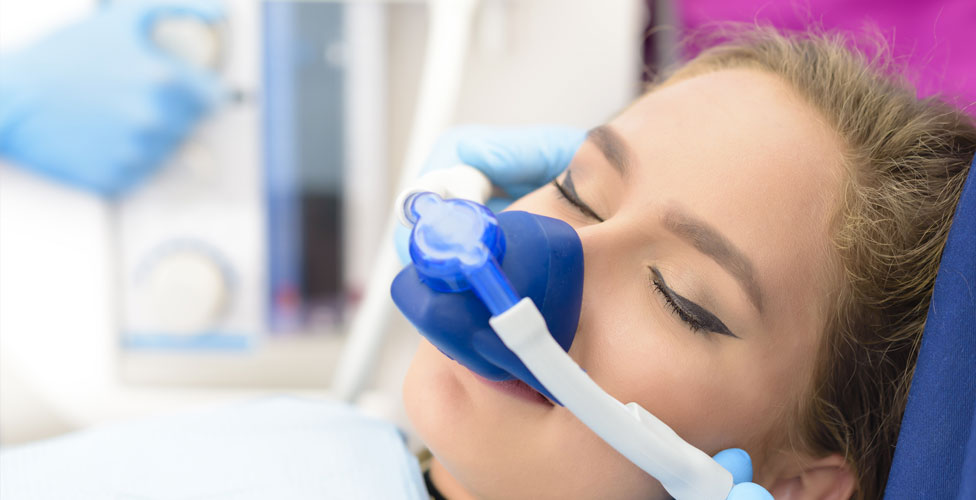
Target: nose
[(543, 261), (602, 255), (606, 267)]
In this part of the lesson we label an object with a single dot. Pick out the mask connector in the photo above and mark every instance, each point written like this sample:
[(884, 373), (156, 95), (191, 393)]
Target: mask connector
[(456, 245)]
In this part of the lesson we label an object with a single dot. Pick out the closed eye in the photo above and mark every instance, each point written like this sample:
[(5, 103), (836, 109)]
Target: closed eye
[(568, 193), (695, 316)]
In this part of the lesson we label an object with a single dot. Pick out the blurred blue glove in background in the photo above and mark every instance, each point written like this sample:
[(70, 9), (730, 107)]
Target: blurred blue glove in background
[(96, 104), (737, 462), (516, 159)]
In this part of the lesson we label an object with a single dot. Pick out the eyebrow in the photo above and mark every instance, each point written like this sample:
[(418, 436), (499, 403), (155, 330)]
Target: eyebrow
[(614, 149), (709, 241), (702, 236)]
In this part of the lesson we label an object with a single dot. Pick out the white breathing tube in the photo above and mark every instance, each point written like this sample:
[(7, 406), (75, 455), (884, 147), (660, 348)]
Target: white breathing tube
[(685, 471)]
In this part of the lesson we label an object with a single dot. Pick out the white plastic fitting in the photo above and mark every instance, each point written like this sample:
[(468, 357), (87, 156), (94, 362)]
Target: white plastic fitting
[(459, 181)]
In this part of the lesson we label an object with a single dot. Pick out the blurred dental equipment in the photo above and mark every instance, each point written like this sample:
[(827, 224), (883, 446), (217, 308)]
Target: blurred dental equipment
[(459, 245), (247, 239)]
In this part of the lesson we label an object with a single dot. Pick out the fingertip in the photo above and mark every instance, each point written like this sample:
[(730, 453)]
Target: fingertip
[(749, 491), (570, 136), (485, 147), (205, 87), (737, 462), (536, 153), (565, 142), (474, 152)]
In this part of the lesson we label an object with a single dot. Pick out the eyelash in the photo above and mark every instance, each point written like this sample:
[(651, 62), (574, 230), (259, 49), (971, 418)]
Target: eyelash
[(565, 195), (693, 324)]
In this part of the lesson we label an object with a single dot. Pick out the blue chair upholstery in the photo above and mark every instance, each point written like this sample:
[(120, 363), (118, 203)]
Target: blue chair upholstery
[(936, 452)]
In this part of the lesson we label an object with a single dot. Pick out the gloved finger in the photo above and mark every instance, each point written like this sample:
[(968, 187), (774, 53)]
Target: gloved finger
[(156, 126), (736, 461), (521, 155), (749, 491), (177, 95), (198, 88), (443, 154)]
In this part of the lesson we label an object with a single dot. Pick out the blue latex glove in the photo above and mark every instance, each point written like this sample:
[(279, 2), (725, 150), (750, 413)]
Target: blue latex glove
[(96, 104), (737, 462), (517, 159)]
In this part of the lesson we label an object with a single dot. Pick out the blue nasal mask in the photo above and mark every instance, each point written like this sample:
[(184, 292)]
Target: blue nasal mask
[(461, 246)]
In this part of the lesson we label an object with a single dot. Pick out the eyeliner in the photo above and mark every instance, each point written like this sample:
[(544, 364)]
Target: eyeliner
[(568, 189), (704, 319)]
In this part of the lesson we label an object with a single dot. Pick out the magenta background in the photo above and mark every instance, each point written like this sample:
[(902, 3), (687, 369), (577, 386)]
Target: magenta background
[(937, 39)]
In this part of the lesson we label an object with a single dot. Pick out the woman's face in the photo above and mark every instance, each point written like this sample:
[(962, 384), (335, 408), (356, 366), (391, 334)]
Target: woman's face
[(705, 238)]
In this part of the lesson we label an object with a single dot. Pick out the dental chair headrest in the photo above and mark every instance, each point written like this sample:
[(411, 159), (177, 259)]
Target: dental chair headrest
[(936, 452)]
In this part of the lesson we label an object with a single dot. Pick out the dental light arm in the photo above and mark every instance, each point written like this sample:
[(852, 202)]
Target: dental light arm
[(456, 246)]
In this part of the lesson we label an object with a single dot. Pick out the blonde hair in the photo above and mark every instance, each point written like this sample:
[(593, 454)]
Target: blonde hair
[(907, 159)]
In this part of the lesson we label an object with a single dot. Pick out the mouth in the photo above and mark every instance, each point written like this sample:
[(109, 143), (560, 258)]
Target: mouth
[(517, 389)]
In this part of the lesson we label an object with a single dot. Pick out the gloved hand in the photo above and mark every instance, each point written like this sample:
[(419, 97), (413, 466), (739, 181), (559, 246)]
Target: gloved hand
[(97, 105), (737, 462), (516, 159)]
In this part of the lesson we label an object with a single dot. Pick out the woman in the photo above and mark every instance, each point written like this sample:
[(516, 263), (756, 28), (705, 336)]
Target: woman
[(761, 233)]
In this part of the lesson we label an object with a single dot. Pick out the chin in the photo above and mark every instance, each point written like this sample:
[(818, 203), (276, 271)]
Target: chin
[(498, 446)]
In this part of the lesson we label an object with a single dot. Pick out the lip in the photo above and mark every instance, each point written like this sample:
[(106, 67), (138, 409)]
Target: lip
[(517, 389)]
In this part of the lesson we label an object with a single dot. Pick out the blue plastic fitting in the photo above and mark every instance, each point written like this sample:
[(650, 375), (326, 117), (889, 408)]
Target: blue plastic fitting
[(538, 257), (456, 246)]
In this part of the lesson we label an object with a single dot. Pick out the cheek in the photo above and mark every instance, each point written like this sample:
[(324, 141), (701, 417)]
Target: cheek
[(704, 402), (428, 408), (707, 389)]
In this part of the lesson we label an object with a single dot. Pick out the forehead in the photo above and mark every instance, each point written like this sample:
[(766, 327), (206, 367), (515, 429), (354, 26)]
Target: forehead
[(740, 150)]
